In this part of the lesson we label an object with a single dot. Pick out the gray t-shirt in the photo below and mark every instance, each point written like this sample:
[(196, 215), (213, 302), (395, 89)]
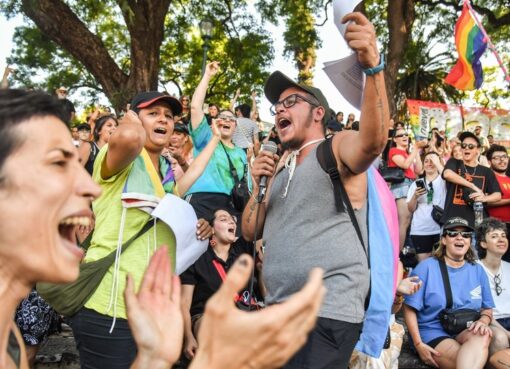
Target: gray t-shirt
[(245, 130), (303, 231)]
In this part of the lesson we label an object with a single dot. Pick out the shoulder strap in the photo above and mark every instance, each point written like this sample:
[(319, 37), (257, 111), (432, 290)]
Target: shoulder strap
[(233, 170), (446, 283), (145, 228), (223, 276), (328, 163)]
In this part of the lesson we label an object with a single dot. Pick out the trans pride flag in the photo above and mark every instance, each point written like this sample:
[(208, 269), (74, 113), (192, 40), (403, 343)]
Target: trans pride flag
[(467, 74)]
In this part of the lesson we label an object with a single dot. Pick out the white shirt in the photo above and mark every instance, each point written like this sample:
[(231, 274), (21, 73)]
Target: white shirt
[(422, 223), (502, 302)]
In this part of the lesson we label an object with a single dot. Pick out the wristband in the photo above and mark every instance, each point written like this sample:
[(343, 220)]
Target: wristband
[(376, 69), (488, 316)]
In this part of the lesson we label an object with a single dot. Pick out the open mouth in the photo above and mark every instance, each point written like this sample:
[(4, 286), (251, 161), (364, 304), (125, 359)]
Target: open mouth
[(67, 229), (283, 123), (459, 245), (232, 230), (160, 130)]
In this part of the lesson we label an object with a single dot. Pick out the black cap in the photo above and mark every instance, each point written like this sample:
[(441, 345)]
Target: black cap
[(279, 82), (146, 99), (183, 128), (83, 127), (467, 134), (457, 222)]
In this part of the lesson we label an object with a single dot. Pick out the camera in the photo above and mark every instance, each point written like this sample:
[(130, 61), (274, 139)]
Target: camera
[(420, 183)]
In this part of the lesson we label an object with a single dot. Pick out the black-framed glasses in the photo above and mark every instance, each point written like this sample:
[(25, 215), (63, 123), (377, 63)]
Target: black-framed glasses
[(497, 284), (469, 146), (402, 135), (500, 157), (289, 102), (453, 234)]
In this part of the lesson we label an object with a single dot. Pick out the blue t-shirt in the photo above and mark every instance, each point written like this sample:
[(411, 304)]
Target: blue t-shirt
[(470, 290), (216, 177)]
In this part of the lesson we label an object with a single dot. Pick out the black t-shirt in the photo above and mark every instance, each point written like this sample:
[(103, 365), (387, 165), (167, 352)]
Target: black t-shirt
[(204, 276), (481, 176)]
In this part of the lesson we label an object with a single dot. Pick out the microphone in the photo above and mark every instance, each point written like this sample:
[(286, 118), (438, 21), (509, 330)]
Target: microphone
[(271, 147)]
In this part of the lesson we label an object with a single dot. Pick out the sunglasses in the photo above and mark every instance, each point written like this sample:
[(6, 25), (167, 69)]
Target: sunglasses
[(469, 146), (453, 234), (497, 284), (402, 135), (227, 118)]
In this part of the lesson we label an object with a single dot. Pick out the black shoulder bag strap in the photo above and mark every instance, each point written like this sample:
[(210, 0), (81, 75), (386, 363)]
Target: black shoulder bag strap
[(233, 170), (446, 284), (328, 163)]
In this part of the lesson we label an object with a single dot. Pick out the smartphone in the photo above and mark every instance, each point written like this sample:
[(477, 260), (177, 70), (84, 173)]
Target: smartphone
[(420, 183)]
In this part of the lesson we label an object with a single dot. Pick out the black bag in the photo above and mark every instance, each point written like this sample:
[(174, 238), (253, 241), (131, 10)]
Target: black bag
[(437, 213), (240, 192), (392, 175), (454, 321)]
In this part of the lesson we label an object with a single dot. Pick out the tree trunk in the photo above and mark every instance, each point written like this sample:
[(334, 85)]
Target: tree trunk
[(145, 22), (401, 17)]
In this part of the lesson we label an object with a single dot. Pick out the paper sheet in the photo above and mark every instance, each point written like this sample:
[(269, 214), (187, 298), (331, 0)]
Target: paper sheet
[(181, 217), (348, 77), (346, 73), (340, 9)]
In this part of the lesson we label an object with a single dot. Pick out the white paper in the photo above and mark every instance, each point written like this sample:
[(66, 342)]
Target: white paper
[(340, 9), (348, 77), (181, 217)]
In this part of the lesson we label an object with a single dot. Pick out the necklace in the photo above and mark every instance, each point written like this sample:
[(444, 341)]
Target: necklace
[(469, 175), (453, 259)]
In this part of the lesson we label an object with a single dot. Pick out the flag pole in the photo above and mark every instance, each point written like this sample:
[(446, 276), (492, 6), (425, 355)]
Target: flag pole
[(489, 42)]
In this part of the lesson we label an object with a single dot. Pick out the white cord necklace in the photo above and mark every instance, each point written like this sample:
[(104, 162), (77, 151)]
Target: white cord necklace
[(291, 161)]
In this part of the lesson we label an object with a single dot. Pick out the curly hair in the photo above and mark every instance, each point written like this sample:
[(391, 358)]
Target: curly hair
[(488, 225)]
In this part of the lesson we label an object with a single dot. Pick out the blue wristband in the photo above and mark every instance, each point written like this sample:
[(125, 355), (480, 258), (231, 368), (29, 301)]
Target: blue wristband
[(376, 69)]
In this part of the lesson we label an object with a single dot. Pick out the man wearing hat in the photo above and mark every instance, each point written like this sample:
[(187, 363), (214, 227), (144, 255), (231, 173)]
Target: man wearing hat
[(468, 182), (133, 177), (302, 228)]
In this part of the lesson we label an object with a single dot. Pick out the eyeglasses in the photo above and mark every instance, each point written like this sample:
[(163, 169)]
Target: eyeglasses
[(289, 102), (227, 118), (469, 146), (500, 157), (402, 135), (497, 284), (453, 234)]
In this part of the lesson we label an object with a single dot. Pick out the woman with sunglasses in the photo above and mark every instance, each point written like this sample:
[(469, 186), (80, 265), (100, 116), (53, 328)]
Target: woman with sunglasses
[(470, 290), (400, 157), (492, 243), (213, 189), (423, 194)]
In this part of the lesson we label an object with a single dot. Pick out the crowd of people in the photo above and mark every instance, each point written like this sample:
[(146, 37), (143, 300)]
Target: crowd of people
[(254, 298)]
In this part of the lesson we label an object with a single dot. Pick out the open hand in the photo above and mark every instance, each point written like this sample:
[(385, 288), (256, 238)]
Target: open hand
[(427, 354), (154, 313), (409, 286)]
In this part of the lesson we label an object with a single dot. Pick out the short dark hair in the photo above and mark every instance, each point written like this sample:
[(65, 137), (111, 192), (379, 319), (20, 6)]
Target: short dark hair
[(244, 109), (494, 148), (488, 225), (17, 107)]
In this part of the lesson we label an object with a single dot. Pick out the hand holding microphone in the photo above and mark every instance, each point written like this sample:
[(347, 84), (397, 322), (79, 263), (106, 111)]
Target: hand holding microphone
[(264, 167)]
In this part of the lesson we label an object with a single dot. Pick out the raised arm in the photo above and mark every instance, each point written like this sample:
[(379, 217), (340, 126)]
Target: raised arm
[(254, 110), (198, 165), (234, 100), (357, 150), (197, 101), (124, 146)]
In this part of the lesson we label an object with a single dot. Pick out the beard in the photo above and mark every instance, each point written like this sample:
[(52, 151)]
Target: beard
[(500, 171), (296, 143)]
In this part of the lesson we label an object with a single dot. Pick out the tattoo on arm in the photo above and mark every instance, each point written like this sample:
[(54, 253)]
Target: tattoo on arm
[(379, 104)]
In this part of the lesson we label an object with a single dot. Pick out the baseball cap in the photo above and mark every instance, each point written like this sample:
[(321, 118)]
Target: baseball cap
[(145, 99), (83, 127), (279, 82), (182, 128), (457, 222), (467, 134)]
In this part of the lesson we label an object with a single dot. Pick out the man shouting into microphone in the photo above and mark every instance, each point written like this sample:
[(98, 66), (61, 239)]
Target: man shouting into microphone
[(298, 218)]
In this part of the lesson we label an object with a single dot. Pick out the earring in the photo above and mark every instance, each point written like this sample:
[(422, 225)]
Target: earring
[(213, 242)]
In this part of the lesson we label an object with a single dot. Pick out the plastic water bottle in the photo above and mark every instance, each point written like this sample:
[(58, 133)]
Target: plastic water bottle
[(478, 209)]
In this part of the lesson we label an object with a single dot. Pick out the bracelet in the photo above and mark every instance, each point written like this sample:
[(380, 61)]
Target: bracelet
[(398, 300), (376, 69), (418, 344), (488, 316)]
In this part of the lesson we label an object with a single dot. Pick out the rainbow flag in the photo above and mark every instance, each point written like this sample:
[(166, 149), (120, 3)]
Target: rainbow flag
[(467, 74)]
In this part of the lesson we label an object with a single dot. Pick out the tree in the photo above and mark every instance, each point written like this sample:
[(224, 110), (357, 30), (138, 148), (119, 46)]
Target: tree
[(124, 46)]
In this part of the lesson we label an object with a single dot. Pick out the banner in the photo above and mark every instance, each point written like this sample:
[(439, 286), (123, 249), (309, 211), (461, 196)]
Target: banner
[(425, 115)]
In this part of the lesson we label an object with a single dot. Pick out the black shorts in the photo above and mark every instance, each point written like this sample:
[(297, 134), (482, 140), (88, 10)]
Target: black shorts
[(329, 346), (505, 323), (437, 341), (424, 244)]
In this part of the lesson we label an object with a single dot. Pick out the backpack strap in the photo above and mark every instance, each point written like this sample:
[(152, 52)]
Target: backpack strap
[(328, 163)]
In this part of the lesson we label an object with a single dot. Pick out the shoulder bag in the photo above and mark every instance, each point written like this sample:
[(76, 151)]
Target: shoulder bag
[(240, 191), (392, 175), (454, 321), (67, 299)]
